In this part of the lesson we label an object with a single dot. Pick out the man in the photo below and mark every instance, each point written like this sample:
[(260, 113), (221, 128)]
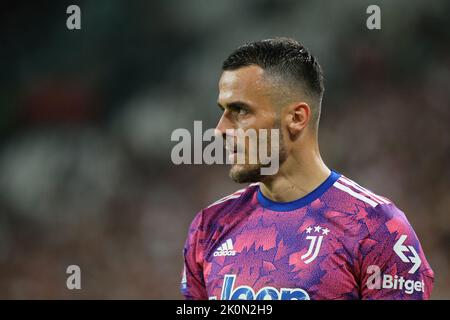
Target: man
[(305, 232)]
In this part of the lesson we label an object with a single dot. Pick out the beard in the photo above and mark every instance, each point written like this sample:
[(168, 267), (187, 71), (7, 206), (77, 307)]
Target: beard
[(246, 173), (249, 173)]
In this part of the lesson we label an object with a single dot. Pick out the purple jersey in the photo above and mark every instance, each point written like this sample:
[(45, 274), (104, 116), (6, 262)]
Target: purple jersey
[(341, 241)]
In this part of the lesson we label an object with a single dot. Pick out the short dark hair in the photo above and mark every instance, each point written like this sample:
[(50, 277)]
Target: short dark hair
[(284, 56)]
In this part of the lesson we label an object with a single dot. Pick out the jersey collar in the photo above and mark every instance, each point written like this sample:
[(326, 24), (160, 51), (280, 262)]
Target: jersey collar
[(303, 201)]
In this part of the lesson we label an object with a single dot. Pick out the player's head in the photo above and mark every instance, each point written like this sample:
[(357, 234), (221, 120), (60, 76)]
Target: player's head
[(271, 84)]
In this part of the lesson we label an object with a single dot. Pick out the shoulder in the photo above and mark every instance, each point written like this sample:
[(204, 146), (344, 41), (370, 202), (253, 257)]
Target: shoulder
[(383, 230), (366, 211), (232, 198), (220, 208), (352, 193), (377, 219), (374, 207)]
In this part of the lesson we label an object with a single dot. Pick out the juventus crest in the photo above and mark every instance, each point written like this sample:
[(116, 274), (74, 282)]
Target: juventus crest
[(316, 238)]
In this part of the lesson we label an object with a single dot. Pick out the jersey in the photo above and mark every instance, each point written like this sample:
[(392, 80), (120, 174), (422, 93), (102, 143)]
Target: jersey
[(340, 241)]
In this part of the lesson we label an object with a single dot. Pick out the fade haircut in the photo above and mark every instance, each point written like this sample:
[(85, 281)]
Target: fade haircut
[(285, 59)]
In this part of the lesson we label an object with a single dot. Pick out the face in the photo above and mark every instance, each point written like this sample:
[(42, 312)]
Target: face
[(246, 104)]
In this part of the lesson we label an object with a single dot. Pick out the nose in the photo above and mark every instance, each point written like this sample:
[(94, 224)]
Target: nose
[(223, 125)]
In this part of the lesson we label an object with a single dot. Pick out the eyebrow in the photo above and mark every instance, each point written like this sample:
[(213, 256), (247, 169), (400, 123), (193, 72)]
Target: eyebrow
[(235, 105)]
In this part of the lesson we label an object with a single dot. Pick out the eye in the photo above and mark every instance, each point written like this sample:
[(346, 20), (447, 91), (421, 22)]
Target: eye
[(238, 109), (242, 112)]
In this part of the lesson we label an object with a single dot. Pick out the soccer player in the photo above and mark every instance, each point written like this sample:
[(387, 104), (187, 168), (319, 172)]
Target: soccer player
[(305, 232)]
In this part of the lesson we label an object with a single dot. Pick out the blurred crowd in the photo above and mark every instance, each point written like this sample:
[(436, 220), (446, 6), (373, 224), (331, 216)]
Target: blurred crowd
[(86, 118)]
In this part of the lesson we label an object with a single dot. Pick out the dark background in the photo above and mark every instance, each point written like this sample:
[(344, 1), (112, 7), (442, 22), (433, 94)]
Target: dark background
[(86, 118)]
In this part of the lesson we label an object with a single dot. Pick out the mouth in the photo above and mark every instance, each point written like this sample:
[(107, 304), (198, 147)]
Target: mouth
[(231, 149), (232, 153)]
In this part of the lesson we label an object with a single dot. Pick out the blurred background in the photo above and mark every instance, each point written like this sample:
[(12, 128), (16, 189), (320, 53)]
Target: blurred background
[(86, 118)]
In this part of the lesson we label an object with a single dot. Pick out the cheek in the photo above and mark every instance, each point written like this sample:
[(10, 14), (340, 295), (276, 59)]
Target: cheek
[(247, 122), (268, 117), (259, 120)]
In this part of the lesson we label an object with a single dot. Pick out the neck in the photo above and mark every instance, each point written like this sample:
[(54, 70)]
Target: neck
[(299, 175)]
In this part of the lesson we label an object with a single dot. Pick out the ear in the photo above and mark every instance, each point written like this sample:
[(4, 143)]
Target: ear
[(298, 117)]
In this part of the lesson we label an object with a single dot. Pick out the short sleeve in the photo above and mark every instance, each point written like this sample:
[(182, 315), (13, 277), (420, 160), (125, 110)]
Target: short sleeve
[(392, 263), (192, 283)]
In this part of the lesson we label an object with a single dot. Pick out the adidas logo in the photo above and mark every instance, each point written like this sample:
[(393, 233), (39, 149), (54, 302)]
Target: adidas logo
[(226, 249)]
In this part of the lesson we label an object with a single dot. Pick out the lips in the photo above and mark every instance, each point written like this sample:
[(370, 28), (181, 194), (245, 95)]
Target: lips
[(231, 148), (232, 153)]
